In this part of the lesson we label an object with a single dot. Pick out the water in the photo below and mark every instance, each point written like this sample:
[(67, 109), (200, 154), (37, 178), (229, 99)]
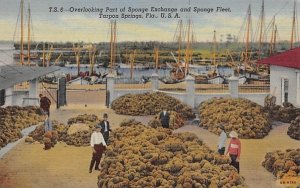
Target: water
[(6, 57), (6, 54), (139, 72)]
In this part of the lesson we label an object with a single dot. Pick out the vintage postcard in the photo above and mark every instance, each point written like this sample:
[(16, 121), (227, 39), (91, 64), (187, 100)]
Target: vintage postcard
[(161, 93)]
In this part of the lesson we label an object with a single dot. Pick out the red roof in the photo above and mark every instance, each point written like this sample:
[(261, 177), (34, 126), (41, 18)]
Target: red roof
[(290, 58)]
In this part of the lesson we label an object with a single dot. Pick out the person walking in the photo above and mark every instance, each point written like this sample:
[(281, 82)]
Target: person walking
[(98, 145), (222, 140), (164, 117), (105, 128), (45, 104), (234, 150)]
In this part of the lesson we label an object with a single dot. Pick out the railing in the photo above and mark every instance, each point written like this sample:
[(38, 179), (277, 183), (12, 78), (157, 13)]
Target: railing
[(126, 83), (133, 86), (254, 88), (211, 88)]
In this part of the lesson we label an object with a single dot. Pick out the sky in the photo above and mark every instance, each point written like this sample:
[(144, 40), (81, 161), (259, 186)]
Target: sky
[(88, 27)]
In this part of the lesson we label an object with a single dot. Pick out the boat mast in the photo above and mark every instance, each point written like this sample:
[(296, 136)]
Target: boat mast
[(78, 50), (111, 46), (275, 35), (272, 37), (22, 33), (131, 65), (214, 50), (247, 37), (93, 59), (113, 31), (132, 57), (156, 59), (262, 19), (92, 52), (293, 25), (50, 50), (28, 47), (188, 49), (43, 54), (115, 43), (179, 41)]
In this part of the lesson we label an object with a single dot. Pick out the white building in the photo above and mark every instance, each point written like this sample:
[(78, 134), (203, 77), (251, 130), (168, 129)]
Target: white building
[(18, 84), (285, 76)]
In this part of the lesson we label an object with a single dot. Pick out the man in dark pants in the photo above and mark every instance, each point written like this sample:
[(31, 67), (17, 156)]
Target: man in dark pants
[(98, 145), (105, 128), (164, 117), (222, 140), (45, 104)]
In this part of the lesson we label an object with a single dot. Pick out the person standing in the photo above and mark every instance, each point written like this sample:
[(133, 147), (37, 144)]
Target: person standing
[(234, 150), (45, 104), (98, 145), (222, 140), (164, 117), (105, 128), (48, 124)]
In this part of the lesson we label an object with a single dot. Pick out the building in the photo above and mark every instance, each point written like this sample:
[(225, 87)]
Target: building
[(19, 85), (285, 76)]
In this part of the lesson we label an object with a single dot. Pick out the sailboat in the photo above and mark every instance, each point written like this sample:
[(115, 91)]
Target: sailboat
[(213, 76), (182, 65), (248, 69), (22, 56), (180, 69), (262, 75)]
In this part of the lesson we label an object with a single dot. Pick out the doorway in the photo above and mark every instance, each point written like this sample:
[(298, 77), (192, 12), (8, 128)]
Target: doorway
[(284, 90)]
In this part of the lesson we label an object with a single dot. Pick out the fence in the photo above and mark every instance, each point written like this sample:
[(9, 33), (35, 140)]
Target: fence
[(188, 91), (258, 87), (49, 90), (212, 88), (128, 83), (133, 86)]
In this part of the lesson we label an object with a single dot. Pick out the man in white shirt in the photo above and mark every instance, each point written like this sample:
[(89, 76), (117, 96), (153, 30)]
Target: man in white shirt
[(222, 140), (98, 145)]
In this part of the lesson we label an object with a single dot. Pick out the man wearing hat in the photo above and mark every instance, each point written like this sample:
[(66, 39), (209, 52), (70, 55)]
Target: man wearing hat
[(105, 128), (222, 140), (98, 146), (234, 150)]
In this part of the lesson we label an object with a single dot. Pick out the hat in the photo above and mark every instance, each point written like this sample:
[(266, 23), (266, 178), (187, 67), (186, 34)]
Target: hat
[(105, 115), (98, 126), (233, 134)]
